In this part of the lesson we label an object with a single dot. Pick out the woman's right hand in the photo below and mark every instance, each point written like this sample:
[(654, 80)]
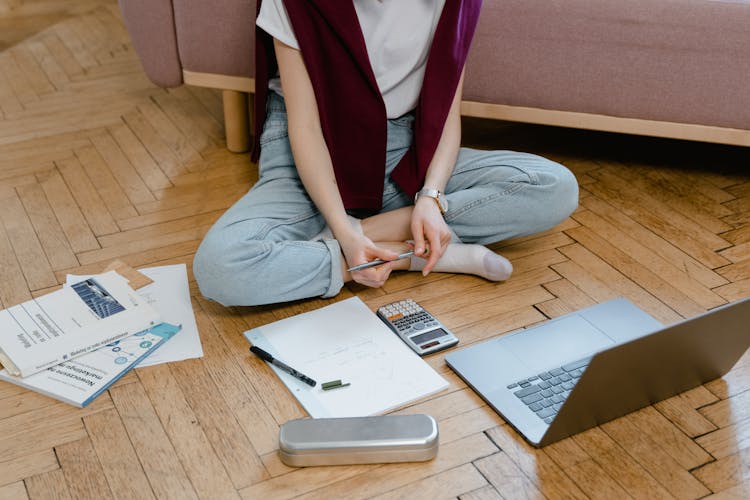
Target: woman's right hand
[(358, 249)]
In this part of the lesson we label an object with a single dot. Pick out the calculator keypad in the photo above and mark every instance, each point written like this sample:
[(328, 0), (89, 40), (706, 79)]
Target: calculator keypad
[(408, 316)]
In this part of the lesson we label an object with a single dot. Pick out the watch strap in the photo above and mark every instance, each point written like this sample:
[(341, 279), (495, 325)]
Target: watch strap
[(436, 195)]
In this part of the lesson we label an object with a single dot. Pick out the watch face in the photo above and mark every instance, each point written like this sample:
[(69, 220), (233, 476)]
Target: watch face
[(435, 195)]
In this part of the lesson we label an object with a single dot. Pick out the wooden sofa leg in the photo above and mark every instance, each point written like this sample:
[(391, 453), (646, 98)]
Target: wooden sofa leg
[(236, 120)]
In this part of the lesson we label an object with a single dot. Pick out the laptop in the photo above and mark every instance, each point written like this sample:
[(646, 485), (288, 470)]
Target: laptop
[(589, 367)]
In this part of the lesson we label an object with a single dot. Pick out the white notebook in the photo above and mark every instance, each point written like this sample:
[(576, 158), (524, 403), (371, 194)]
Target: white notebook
[(346, 341)]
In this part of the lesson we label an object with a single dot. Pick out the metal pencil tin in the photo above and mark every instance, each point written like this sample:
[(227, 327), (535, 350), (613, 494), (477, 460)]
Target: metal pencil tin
[(358, 440)]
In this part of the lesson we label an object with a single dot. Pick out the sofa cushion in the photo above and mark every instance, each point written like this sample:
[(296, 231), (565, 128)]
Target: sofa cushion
[(683, 61)]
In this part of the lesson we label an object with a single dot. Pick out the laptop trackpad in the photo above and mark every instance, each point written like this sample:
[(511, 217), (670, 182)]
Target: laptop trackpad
[(556, 343)]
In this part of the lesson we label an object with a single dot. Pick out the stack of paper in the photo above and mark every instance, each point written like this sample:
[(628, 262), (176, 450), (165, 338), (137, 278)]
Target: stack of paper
[(346, 341), (73, 343)]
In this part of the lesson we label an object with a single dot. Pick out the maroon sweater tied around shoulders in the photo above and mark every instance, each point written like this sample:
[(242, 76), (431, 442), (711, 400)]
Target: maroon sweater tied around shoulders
[(352, 112)]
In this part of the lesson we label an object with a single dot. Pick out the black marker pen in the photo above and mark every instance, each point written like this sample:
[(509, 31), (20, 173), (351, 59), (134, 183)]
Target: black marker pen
[(291, 371)]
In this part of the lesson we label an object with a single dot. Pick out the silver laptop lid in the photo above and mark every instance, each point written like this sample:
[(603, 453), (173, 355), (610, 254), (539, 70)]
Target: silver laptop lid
[(654, 367)]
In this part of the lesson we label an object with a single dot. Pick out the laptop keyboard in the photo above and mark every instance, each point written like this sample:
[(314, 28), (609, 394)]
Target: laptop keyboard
[(545, 393)]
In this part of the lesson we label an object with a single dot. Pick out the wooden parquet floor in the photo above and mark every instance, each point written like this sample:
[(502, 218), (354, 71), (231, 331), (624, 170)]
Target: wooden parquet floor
[(96, 163)]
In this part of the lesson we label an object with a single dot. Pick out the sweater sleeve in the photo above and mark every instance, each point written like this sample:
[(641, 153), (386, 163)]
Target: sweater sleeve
[(274, 20)]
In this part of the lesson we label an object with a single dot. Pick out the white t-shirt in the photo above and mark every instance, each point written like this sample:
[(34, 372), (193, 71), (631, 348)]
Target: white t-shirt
[(398, 35)]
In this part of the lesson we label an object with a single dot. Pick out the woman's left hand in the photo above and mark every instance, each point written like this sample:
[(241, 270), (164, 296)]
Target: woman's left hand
[(430, 231)]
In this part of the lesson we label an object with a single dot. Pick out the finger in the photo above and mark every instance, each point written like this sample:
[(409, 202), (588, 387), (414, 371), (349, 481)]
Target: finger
[(436, 250), (417, 232), (384, 254), (374, 276)]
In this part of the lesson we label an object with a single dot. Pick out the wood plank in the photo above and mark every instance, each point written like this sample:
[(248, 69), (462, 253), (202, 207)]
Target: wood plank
[(674, 190), (486, 493), (677, 217), (72, 221), (203, 466), (21, 402), (17, 79), (663, 248), (188, 123), (727, 472), (139, 157), (230, 442), (13, 491), (223, 361), (29, 253), (664, 467), (681, 410), (737, 492), (632, 267), (725, 412), (45, 427), (728, 440), (61, 54), (498, 324), (121, 168), (571, 295), (733, 383), (184, 251), (88, 199), (189, 195), (13, 287), (168, 131), (155, 451), (602, 282), (209, 204), (12, 471), (275, 397), (47, 63), (535, 464), (633, 476), (671, 439), (210, 99), (116, 456), (591, 479), (82, 470), (155, 145), (49, 485), (190, 106), (506, 477), (447, 484), (48, 229), (9, 103), (105, 183), (458, 313), (142, 246), (661, 225), (118, 239)]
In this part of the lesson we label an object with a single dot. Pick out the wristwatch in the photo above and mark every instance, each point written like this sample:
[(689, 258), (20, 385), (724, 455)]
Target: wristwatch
[(436, 195)]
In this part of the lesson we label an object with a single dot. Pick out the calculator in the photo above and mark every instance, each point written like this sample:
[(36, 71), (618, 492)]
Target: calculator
[(419, 329)]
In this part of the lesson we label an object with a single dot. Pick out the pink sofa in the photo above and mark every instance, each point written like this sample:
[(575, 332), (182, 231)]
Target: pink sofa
[(668, 68)]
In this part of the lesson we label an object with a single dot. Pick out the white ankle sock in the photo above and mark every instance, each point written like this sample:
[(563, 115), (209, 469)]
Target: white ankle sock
[(327, 234), (469, 259)]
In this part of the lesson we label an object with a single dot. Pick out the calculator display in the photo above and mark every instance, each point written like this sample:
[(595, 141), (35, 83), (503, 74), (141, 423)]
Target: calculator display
[(424, 337)]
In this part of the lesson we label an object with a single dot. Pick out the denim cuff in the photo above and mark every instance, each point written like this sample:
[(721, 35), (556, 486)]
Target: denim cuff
[(337, 278)]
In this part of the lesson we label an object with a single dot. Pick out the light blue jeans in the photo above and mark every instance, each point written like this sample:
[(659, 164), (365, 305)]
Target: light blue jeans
[(259, 251)]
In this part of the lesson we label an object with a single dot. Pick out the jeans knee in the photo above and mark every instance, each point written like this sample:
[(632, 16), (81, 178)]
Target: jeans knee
[(221, 267), (558, 195)]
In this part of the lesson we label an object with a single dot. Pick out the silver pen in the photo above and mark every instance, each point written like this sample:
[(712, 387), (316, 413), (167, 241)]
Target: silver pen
[(377, 262)]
